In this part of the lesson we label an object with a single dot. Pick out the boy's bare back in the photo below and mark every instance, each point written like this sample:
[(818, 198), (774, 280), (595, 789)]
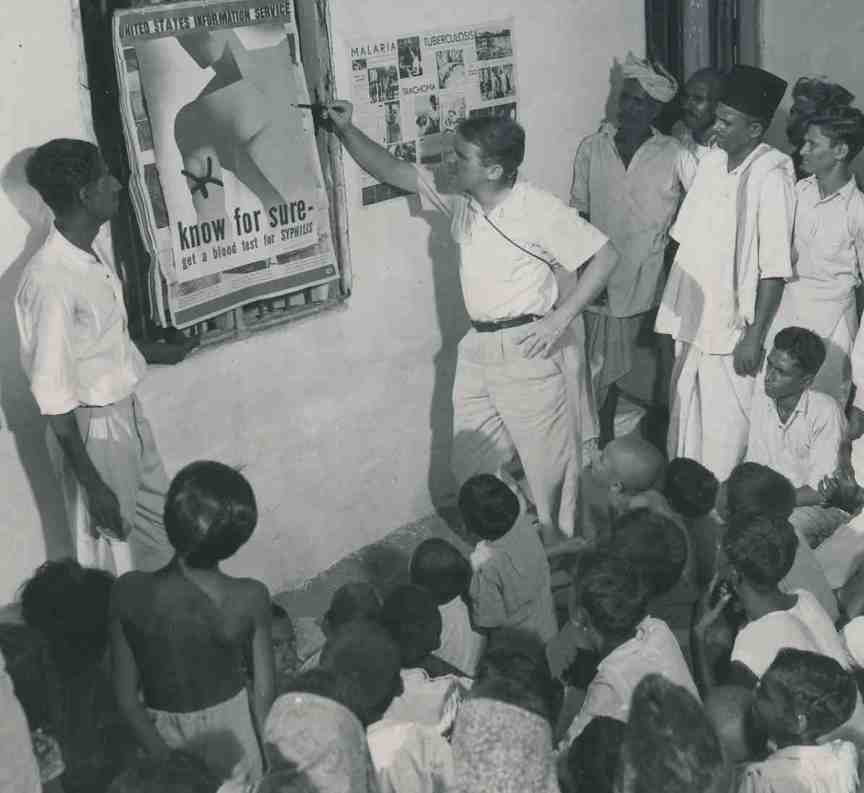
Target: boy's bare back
[(187, 630)]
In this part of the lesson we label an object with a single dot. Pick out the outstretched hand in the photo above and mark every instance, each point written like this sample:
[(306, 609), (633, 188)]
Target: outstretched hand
[(339, 112)]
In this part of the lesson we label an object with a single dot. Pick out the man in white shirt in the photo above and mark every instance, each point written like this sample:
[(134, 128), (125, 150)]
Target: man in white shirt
[(828, 246), (695, 129), (510, 393), (83, 367), (734, 231), (628, 181), (610, 605), (795, 429), (760, 551)]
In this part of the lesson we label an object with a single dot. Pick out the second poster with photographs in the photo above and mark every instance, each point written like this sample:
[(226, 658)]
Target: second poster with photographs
[(411, 91)]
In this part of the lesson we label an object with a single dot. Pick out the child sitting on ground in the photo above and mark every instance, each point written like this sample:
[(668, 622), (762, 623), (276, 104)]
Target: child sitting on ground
[(178, 634), (439, 568), (691, 490), (432, 688), (610, 604), (802, 697), (354, 601), (511, 585)]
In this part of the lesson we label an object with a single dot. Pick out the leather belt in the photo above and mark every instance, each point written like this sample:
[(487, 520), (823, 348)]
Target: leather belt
[(501, 324)]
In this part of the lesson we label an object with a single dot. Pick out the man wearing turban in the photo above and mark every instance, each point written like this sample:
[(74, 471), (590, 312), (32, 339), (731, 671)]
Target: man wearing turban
[(628, 180)]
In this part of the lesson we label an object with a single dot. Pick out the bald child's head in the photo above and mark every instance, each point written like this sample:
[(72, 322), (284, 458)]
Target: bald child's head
[(630, 465)]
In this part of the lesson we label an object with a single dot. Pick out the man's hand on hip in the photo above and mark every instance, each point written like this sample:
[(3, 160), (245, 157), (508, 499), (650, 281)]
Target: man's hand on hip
[(541, 337)]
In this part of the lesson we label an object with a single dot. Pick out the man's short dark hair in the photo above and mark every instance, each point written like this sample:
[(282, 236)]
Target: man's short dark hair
[(756, 489), (714, 78), (841, 124), (613, 594), (365, 654), (489, 507), (69, 605), (803, 346), (60, 168), (593, 757), (761, 548), (438, 567), (669, 743), (176, 772), (690, 489), (501, 142), (813, 685), (210, 511), (356, 600), (654, 544), (412, 617)]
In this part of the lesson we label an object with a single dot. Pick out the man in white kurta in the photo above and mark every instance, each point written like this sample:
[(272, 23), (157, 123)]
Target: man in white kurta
[(628, 180), (83, 369), (734, 232), (828, 247)]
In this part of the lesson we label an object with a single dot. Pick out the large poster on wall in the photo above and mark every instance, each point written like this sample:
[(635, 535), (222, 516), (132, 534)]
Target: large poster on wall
[(410, 90), (226, 181)]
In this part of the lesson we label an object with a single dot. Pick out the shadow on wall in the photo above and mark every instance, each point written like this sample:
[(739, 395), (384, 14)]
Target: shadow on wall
[(615, 78), (453, 323), (20, 414)]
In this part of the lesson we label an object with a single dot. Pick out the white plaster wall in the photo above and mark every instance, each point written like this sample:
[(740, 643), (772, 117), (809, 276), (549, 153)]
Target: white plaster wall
[(341, 422), (800, 37)]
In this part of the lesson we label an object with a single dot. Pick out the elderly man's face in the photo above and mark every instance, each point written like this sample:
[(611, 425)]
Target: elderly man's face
[(735, 130), (636, 110), (699, 105)]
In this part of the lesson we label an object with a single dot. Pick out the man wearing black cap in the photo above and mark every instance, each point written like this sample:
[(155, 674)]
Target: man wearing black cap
[(734, 232)]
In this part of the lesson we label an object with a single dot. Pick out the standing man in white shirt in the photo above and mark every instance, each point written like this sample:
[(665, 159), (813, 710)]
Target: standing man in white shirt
[(734, 232), (83, 367), (828, 245), (628, 181), (510, 393)]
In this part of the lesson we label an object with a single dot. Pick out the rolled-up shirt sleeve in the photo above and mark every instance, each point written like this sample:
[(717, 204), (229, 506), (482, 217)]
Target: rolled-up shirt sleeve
[(487, 601), (44, 322), (829, 429), (776, 216), (570, 238)]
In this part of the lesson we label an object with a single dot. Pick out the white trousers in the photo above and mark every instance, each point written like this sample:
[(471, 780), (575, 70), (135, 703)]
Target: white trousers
[(503, 403), (710, 410), (120, 443)]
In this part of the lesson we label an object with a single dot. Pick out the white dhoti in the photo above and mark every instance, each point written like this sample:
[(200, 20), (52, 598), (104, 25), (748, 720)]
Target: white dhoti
[(710, 410), (222, 736), (120, 443)]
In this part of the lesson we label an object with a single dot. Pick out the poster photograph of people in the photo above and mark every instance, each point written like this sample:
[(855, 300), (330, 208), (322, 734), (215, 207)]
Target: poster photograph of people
[(410, 92)]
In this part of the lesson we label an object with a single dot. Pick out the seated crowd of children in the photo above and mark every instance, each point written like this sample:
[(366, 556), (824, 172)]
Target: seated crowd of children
[(691, 642)]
